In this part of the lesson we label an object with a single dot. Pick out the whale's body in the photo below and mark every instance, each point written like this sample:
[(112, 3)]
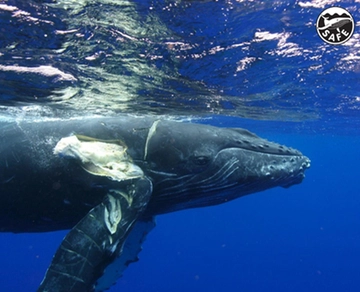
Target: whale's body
[(106, 179)]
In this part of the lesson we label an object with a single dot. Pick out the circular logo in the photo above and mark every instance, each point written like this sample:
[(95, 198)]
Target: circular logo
[(335, 25)]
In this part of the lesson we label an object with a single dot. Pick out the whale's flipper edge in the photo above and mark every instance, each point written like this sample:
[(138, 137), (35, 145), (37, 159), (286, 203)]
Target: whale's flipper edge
[(96, 241)]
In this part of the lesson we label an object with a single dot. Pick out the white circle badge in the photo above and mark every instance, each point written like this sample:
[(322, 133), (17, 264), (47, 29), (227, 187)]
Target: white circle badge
[(335, 25)]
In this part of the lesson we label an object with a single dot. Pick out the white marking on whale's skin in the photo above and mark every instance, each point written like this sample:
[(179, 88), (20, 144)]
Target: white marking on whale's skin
[(163, 173), (128, 198), (99, 158), (112, 214), (151, 133)]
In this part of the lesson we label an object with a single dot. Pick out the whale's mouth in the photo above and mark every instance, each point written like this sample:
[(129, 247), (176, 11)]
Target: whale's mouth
[(233, 173)]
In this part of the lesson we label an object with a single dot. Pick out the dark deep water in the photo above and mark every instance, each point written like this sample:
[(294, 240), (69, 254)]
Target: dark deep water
[(256, 65)]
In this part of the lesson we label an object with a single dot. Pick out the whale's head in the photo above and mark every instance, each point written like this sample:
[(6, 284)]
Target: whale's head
[(196, 165)]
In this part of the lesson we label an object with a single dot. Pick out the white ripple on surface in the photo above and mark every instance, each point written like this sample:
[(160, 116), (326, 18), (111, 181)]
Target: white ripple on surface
[(46, 71)]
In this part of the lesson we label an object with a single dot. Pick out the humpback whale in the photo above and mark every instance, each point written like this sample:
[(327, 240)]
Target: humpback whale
[(334, 23), (106, 178)]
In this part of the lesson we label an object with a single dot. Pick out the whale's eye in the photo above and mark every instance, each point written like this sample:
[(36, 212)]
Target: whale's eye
[(201, 160)]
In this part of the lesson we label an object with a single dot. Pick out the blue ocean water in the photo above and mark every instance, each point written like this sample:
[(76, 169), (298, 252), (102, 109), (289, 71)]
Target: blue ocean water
[(256, 65)]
